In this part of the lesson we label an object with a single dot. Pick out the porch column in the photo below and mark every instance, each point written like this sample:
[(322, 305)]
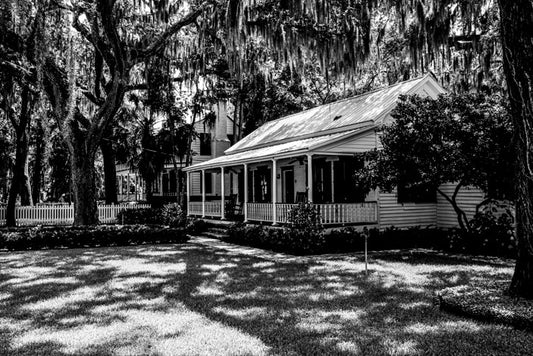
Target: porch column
[(222, 193), (310, 177), (188, 190), (274, 190), (119, 198), (245, 203), (253, 186), (203, 193), (128, 187), (333, 181)]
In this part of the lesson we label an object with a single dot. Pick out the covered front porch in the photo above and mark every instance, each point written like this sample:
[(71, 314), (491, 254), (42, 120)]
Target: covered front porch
[(266, 190)]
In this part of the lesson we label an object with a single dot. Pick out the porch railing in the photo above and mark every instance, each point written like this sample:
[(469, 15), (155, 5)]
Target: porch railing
[(348, 213), (213, 208), (330, 214), (260, 211), (195, 208)]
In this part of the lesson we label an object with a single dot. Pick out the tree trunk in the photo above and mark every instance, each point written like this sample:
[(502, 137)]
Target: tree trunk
[(110, 172), (517, 42), (40, 152), (462, 219), (20, 184), (84, 188)]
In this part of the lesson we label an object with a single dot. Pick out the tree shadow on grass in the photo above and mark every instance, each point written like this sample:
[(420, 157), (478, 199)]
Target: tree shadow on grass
[(187, 299), (316, 309)]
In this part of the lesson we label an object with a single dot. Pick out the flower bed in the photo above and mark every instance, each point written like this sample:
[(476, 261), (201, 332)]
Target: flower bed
[(71, 237), (488, 302)]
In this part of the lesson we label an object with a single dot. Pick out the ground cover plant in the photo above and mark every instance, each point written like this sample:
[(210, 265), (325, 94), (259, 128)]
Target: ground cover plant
[(194, 300), (106, 235)]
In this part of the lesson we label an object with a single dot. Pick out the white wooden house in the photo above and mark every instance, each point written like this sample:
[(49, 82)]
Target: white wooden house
[(311, 156), (211, 142)]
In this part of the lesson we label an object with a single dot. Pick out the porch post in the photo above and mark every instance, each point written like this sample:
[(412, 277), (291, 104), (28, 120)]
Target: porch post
[(310, 178), (222, 194), (253, 186), (274, 190), (245, 203), (119, 198), (128, 187), (333, 181), (203, 193), (188, 190)]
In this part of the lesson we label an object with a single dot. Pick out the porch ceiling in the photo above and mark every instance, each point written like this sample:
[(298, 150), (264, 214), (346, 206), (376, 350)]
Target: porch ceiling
[(282, 150)]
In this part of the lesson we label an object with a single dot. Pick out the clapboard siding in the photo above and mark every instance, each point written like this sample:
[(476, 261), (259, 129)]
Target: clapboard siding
[(362, 143), (468, 198), (391, 213), (195, 181)]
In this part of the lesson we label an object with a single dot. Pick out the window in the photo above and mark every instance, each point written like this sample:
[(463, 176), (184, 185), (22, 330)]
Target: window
[(416, 194), (205, 144)]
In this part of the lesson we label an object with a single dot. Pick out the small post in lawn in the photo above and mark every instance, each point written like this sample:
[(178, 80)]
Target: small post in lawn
[(366, 254)]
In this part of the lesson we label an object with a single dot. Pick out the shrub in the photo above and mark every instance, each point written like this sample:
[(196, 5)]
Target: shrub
[(304, 216), (196, 226), (150, 216), (54, 237), (170, 214), (316, 241), (173, 216), (492, 232)]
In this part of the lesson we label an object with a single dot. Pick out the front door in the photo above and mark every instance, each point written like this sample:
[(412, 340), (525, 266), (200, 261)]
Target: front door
[(288, 185)]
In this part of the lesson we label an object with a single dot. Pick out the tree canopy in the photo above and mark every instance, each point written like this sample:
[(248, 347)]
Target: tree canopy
[(461, 139)]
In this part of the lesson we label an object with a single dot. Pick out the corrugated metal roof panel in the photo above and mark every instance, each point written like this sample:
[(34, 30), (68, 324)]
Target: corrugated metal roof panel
[(342, 113), (271, 151)]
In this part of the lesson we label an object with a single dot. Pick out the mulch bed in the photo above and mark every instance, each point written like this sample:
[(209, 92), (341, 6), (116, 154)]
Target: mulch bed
[(488, 302)]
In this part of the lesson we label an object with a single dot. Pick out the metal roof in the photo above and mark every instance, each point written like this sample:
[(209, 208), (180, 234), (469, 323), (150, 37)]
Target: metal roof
[(301, 132), (282, 150), (336, 116)]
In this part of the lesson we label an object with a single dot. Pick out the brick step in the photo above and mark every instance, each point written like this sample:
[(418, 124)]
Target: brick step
[(217, 229), (214, 235)]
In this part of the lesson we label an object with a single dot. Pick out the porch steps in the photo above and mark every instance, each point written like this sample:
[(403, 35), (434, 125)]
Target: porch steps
[(217, 229)]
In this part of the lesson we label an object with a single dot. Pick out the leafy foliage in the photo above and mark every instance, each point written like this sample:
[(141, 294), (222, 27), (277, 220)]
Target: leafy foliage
[(492, 232), (47, 238), (342, 240), (170, 214), (454, 138), (196, 226)]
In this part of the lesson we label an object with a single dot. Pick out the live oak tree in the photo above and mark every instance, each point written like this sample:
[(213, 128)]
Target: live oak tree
[(454, 139), (86, 89)]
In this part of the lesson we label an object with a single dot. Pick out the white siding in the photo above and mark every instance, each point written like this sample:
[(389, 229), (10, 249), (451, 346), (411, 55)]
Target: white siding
[(392, 213), (196, 188), (362, 143), (468, 198)]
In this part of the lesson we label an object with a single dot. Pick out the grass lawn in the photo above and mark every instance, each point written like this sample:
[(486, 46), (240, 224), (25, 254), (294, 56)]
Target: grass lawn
[(192, 300)]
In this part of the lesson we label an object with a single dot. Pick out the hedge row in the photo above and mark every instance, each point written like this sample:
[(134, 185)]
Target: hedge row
[(71, 237), (317, 241), (169, 214)]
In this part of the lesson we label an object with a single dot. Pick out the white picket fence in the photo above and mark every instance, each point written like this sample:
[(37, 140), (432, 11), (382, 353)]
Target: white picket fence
[(62, 214)]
